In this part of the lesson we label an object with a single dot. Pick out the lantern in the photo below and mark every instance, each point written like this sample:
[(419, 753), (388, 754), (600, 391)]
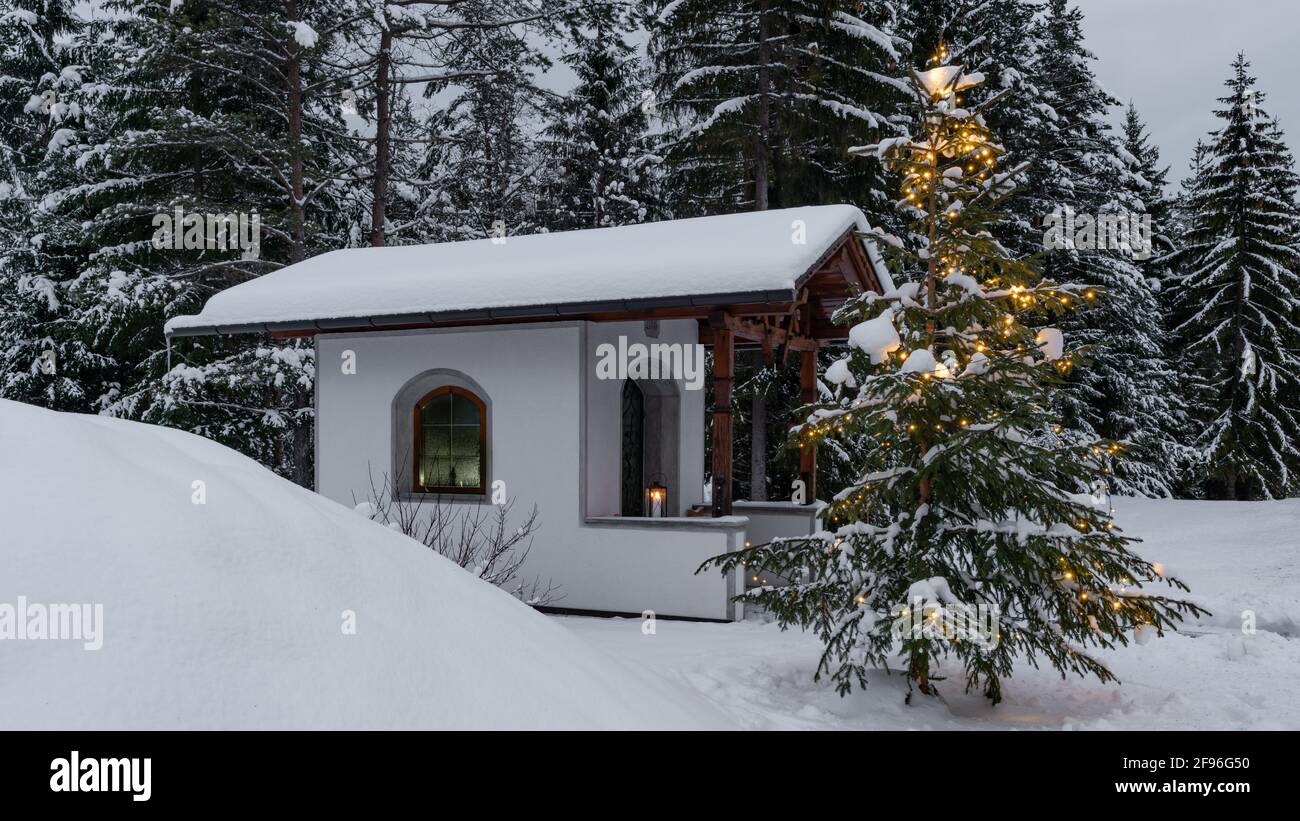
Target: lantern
[(656, 500)]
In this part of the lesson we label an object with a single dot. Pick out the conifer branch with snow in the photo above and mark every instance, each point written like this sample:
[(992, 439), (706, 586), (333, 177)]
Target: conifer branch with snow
[(966, 497)]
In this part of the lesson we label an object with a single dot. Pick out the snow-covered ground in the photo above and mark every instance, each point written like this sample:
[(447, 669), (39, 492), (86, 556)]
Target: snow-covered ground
[(1235, 556), (226, 593), (235, 612)]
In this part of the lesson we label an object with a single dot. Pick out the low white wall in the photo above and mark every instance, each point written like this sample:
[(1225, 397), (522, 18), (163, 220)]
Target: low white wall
[(651, 566), (536, 384), (774, 520)]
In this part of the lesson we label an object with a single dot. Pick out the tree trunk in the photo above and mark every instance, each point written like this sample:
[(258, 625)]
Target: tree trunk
[(383, 91), (764, 111), (293, 74), (304, 446), (925, 490)]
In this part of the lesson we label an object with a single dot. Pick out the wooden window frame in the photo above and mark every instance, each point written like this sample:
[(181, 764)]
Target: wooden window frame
[(417, 444)]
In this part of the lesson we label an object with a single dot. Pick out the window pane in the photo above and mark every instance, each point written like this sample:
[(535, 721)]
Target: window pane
[(464, 473), (437, 441), (464, 411), (435, 456), (435, 472), (438, 410), (464, 441), (450, 452)]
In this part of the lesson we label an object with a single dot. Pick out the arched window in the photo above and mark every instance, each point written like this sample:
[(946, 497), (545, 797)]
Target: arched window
[(450, 442)]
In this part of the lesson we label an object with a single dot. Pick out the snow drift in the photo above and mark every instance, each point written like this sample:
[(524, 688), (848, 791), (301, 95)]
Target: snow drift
[(231, 613)]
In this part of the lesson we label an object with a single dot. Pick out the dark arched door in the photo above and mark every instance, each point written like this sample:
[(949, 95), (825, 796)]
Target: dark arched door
[(633, 463)]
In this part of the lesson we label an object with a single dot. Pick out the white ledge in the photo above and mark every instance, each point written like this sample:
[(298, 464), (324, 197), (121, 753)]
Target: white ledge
[(671, 522)]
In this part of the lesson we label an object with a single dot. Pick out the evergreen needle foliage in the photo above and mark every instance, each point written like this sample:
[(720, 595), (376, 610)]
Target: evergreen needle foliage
[(1234, 301), (967, 497)]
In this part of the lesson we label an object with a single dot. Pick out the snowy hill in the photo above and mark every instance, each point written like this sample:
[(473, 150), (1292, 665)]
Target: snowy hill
[(231, 613)]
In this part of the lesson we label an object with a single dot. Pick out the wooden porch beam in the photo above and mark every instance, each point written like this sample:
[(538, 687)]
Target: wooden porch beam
[(767, 335), (724, 364)]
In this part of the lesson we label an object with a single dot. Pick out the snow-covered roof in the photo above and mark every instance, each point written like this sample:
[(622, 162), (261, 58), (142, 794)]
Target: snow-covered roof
[(749, 257)]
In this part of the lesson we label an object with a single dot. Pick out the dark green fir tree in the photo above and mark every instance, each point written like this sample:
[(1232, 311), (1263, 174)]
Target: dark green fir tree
[(1235, 299), (604, 170)]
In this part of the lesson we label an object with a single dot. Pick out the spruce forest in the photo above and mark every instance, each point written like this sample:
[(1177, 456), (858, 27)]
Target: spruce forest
[(345, 123)]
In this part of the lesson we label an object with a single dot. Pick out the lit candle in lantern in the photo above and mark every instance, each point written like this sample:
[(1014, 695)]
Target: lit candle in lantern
[(656, 500)]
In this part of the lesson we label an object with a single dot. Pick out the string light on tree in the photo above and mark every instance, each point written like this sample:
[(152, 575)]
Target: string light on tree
[(966, 497)]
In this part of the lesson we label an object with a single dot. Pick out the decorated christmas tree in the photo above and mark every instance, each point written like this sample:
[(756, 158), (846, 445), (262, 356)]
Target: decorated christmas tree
[(973, 531)]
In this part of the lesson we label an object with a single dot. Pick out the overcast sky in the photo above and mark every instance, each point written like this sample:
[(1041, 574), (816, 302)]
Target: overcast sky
[(1171, 57)]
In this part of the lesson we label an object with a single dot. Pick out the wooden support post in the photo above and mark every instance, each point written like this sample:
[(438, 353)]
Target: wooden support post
[(724, 352), (808, 394)]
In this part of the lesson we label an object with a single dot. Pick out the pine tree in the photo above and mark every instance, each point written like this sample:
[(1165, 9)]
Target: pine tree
[(1165, 424), (761, 101), (603, 168), (209, 109), (37, 73), (966, 505), (1129, 392), (764, 98), (1182, 219), (482, 168), (1151, 179), (1235, 311), (458, 48)]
